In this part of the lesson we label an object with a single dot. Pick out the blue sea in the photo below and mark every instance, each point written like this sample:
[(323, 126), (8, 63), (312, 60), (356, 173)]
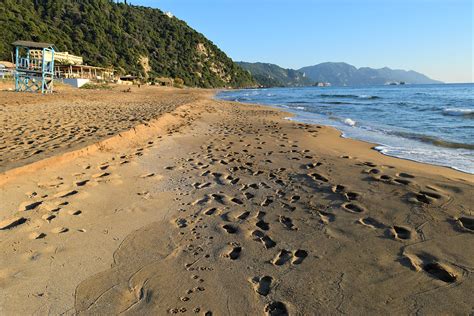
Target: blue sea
[(428, 123)]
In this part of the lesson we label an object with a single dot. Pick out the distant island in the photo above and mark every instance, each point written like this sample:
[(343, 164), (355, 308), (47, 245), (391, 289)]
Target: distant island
[(330, 73)]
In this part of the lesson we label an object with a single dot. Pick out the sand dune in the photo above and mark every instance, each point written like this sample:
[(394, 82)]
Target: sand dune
[(220, 208)]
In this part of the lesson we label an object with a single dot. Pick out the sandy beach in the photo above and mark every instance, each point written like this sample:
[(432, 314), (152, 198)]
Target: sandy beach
[(165, 201)]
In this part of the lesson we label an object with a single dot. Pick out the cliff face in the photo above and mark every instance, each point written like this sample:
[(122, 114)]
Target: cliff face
[(136, 40)]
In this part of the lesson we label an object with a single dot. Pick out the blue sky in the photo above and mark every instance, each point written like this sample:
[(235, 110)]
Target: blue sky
[(433, 37)]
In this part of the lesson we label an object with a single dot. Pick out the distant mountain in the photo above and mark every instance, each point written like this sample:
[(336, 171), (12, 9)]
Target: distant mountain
[(270, 75), (337, 74), (342, 74)]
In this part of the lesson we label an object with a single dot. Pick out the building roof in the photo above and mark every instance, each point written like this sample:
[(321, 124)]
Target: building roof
[(7, 64), (83, 67), (32, 44)]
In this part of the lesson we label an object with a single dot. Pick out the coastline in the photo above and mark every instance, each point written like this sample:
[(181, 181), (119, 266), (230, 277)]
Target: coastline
[(286, 204), (363, 114)]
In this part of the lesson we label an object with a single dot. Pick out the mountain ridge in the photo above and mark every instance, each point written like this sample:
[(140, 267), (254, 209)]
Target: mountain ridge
[(335, 73)]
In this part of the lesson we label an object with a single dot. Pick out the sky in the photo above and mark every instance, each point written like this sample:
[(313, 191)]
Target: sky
[(434, 37)]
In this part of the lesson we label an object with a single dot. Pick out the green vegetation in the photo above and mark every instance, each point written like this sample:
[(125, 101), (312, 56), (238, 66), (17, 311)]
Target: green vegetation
[(136, 40), (96, 86), (269, 75), (337, 74)]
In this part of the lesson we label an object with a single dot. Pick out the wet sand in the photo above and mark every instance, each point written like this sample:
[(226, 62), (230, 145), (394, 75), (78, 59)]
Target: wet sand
[(219, 208)]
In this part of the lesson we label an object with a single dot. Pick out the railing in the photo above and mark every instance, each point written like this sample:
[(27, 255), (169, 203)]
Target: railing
[(33, 64), (30, 64)]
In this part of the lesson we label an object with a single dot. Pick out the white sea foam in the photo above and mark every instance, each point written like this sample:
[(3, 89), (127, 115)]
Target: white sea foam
[(458, 111), (349, 122), (300, 108)]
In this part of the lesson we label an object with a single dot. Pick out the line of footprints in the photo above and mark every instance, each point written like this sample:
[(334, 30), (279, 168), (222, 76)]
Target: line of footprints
[(223, 164)]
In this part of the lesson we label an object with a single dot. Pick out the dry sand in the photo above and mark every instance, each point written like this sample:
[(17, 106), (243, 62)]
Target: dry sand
[(35, 127), (219, 208)]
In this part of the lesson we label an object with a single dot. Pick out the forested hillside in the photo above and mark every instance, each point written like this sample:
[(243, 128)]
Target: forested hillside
[(270, 75), (136, 40)]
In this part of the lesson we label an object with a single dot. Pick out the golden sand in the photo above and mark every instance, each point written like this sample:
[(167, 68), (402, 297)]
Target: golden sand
[(222, 208)]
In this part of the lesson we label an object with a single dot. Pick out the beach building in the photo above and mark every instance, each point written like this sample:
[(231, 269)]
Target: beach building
[(78, 75), (165, 82), (127, 80), (7, 69)]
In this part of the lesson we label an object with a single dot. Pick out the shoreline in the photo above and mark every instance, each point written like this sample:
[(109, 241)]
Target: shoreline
[(155, 221), (291, 117), (426, 150)]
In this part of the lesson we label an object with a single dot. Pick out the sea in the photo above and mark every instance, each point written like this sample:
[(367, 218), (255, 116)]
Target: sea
[(427, 123)]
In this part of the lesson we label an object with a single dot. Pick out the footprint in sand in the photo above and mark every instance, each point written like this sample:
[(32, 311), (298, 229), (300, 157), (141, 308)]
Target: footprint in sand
[(352, 196), (405, 175), (234, 253), (258, 235), (201, 201), (467, 223), (318, 177), (339, 188), (262, 225), (28, 206), (433, 267), (230, 229), (37, 235), (81, 183), (262, 284), (210, 211), (282, 257), (426, 197), (249, 195), (276, 309), (326, 217), (295, 198), (403, 181), (12, 222), (48, 217), (298, 256), (64, 194), (287, 222), (267, 201), (100, 175), (243, 216), (371, 222), (75, 212), (353, 208), (59, 230), (181, 222), (148, 175), (399, 232)]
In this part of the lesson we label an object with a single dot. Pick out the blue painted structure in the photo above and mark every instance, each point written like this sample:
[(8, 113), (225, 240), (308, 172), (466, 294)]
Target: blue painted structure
[(34, 63)]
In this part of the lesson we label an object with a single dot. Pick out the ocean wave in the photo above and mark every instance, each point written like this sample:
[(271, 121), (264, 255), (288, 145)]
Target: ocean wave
[(339, 96), (350, 96), (349, 122), (434, 140), (370, 97), (458, 112), (298, 102), (335, 102)]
